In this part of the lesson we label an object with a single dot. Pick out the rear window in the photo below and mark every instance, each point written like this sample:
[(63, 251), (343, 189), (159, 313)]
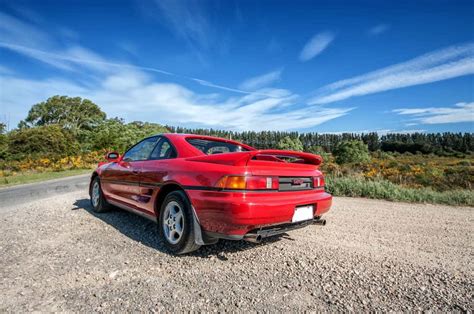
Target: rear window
[(211, 147)]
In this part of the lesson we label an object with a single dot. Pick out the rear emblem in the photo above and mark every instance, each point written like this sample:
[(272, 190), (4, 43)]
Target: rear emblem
[(297, 182)]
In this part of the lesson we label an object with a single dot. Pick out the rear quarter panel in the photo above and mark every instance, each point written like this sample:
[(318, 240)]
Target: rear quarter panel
[(198, 174)]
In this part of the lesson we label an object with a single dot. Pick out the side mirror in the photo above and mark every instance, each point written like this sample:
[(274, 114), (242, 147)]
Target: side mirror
[(112, 156)]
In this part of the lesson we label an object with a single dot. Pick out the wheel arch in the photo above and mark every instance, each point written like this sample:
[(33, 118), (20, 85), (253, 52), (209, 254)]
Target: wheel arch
[(165, 190), (93, 176)]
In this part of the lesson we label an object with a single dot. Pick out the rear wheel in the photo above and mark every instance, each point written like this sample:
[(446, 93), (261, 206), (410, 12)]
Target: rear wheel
[(176, 225), (98, 202)]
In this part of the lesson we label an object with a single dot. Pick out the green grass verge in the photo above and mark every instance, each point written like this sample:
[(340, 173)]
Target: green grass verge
[(30, 177), (382, 189)]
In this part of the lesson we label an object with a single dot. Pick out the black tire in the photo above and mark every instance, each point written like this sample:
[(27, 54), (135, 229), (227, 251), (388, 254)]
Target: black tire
[(101, 205), (186, 241)]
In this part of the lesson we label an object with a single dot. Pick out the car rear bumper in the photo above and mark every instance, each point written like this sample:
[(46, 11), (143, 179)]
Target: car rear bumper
[(234, 214)]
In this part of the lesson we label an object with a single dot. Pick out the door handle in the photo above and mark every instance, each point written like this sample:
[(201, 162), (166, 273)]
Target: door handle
[(135, 171)]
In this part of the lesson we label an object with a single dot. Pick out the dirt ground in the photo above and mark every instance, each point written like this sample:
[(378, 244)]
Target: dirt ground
[(56, 255)]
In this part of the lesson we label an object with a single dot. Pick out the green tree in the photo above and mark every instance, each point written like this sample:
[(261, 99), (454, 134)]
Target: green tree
[(47, 140), (73, 113), (318, 150), (351, 151), (115, 134), (3, 141), (288, 143)]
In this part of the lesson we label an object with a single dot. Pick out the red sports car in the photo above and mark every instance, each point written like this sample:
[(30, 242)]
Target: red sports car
[(200, 189)]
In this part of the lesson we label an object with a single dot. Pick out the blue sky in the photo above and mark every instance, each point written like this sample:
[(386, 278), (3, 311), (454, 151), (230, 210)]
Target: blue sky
[(335, 66)]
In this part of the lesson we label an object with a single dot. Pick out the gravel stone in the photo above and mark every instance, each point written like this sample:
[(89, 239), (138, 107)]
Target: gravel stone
[(57, 255)]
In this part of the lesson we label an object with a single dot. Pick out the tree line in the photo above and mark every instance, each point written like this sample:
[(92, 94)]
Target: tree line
[(65, 126), (426, 143)]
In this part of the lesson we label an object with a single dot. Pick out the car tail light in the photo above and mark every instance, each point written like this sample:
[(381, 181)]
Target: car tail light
[(248, 183), (318, 182)]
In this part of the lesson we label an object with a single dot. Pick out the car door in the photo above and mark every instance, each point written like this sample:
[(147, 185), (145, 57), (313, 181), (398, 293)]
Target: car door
[(120, 180), (154, 172)]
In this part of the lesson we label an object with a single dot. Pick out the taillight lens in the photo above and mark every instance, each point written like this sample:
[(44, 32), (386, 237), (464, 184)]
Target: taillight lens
[(248, 183), (318, 182)]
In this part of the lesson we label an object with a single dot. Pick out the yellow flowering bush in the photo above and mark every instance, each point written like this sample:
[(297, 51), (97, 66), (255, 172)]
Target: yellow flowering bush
[(414, 171), (84, 161)]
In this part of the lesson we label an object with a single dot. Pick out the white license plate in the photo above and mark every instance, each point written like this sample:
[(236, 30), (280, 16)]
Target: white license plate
[(303, 213)]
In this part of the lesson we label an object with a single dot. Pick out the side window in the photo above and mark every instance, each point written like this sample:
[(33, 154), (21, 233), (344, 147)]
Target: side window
[(142, 150), (163, 150)]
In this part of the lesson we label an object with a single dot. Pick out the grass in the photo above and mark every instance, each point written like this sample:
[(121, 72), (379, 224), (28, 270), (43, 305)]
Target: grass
[(353, 186), (30, 177)]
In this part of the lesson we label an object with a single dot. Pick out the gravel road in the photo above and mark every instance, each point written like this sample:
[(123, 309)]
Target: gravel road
[(59, 256)]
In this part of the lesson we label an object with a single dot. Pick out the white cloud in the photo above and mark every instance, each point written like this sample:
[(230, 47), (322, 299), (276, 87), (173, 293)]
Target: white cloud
[(379, 29), (460, 112), (260, 81), (435, 66), (316, 45), (135, 95)]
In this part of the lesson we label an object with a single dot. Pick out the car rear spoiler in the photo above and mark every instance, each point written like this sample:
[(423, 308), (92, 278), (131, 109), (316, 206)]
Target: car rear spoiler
[(243, 158)]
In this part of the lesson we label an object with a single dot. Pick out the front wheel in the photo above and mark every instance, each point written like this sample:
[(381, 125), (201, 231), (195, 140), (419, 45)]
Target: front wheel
[(98, 202), (175, 225)]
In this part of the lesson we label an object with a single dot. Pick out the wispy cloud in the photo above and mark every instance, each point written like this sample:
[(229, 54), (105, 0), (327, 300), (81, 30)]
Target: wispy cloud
[(379, 29), (65, 59), (77, 55), (435, 66), (68, 33), (316, 45), (128, 47), (460, 112), (17, 35), (15, 30), (21, 8), (187, 19), (260, 81)]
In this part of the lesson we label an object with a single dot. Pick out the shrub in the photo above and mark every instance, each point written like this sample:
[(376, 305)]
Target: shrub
[(45, 140), (3, 141), (351, 152), (318, 150)]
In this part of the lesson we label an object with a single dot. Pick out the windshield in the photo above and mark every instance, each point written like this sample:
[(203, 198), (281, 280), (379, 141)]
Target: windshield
[(211, 147)]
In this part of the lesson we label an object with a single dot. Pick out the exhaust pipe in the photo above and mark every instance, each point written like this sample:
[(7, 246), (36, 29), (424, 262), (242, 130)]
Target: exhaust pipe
[(321, 222), (253, 237)]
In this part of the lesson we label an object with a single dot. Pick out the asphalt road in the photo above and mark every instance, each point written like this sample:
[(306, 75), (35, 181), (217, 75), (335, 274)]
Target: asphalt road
[(21, 194), (59, 256)]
